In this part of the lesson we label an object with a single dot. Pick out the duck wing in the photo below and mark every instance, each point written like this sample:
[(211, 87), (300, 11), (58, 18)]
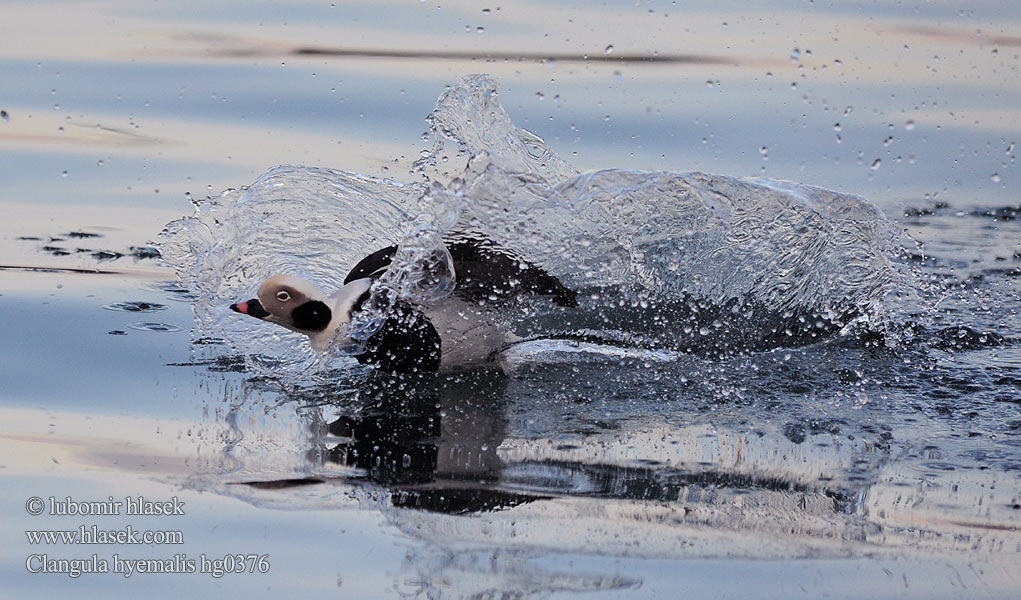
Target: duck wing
[(372, 265), (486, 272), (489, 273)]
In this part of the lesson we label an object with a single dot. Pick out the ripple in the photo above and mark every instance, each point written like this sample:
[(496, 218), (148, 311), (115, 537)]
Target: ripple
[(135, 306), (154, 326)]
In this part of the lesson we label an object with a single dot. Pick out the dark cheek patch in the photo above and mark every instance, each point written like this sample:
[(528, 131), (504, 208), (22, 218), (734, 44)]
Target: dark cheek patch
[(311, 316)]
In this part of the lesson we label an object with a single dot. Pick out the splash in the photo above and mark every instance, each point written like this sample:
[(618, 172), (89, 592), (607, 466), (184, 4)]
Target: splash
[(672, 261), (311, 222)]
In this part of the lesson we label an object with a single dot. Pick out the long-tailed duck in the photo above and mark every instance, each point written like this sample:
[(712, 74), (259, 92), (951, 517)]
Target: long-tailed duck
[(463, 330)]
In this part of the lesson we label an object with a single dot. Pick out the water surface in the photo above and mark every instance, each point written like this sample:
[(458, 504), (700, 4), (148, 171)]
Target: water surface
[(841, 468)]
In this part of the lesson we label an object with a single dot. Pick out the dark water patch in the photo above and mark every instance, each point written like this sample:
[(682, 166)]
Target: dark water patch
[(1004, 272), (155, 326), (936, 209), (1002, 213), (220, 364), (30, 238), (677, 59), (1009, 381), (138, 306), (99, 254), (117, 332), (795, 432), (106, 255), (57, 270), (924, 260), (146, 252), (848, 376), (174, 290), (454, 501), (281, 484), (143, 252), (965, 338), (798, 432), (940, 466), (209, 341), (56, 250)]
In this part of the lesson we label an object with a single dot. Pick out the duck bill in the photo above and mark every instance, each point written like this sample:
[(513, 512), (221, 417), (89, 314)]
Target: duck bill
[(252, 308)]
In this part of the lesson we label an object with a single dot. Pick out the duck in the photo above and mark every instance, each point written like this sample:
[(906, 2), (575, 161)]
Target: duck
[(461, 331)]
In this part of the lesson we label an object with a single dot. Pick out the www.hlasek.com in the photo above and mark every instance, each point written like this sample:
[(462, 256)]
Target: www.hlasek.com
[(94, 535)]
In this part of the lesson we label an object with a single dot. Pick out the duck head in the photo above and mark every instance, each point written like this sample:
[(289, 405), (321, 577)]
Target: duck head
[(297, 304)]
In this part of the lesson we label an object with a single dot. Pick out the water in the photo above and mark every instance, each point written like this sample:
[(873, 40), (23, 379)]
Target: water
[(875, 455)]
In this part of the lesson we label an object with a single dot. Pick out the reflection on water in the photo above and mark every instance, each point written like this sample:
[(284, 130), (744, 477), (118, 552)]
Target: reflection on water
[(457, 462)]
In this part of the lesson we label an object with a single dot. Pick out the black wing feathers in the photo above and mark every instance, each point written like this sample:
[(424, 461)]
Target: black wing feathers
[(485, 273), (368, 266)]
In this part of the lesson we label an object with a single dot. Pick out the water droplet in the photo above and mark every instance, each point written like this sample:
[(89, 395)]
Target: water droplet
[(795, 55), (540, 96), (535, 150), (996, 178), (763, 150), (485, 11), (888, 141), (837, 127), (99, 163), (609, 50), (63, 173), (4, 116), (848, 110), (875, 164), (709, 83), (1010, 148), (909, 125), (480, 29)]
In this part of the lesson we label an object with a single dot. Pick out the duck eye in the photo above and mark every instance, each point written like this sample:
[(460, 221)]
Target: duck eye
[(283, 296)]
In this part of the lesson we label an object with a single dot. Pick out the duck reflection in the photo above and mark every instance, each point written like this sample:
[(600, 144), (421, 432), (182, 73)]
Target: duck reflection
[(431, 440), (434, 443)]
